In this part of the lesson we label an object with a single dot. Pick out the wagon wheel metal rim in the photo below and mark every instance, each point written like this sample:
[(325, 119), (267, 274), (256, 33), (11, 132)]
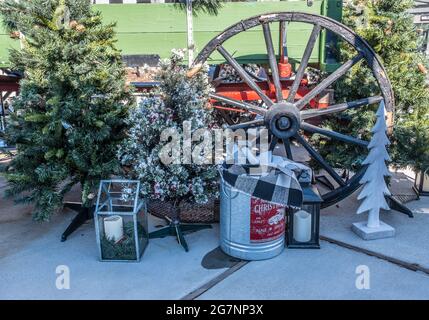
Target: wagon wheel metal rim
[(286, 117)]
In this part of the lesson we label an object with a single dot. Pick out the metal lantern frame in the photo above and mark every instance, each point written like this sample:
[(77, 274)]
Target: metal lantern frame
[(312, 201), (139, 204), (419, 183)]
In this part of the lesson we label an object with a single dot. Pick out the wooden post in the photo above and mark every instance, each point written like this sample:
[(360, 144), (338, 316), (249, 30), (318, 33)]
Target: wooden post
[(21, 40), (190, 26)]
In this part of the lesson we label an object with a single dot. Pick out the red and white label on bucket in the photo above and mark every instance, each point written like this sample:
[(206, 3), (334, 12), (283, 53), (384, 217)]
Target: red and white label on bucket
[(267, 221)]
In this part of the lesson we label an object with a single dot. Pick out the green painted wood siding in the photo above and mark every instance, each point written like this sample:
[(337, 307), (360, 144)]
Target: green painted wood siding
[(158, 28), (5, 43)]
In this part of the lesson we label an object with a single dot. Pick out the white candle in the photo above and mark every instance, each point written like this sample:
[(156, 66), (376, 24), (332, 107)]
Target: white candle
[(302, 226), (113, 228)]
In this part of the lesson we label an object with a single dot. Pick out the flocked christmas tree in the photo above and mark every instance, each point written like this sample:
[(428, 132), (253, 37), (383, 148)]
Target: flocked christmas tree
[(70, 115), (375, 188), (179, 98), (180, 102)]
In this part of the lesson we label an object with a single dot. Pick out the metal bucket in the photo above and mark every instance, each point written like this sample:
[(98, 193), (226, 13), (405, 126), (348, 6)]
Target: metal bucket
[(250, 228)]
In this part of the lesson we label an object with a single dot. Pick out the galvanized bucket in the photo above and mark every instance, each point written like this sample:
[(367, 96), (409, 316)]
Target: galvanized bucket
[(250, 228)]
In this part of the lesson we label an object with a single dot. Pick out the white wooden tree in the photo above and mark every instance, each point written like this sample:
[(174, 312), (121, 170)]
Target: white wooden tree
[(375, 188)]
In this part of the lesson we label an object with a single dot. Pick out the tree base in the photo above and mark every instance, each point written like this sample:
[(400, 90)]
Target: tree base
[(397, 205), (84, 214), (366, 233), (178, 230)]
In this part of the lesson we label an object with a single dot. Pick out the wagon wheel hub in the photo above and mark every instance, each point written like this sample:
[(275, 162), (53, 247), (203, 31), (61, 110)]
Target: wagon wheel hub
[(283, 120)]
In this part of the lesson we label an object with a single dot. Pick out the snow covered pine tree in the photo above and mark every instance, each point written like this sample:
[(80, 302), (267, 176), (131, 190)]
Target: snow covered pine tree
[(375, 189), (180, 101)]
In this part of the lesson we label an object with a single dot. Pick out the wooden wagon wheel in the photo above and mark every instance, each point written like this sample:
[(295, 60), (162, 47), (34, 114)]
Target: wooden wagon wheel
[(286, 117)]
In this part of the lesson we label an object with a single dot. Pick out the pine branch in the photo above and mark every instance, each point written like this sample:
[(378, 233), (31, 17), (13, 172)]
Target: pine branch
[(204, 6)]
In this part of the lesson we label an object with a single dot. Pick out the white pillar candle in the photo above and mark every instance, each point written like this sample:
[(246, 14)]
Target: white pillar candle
[(302, 226), (113, 228)]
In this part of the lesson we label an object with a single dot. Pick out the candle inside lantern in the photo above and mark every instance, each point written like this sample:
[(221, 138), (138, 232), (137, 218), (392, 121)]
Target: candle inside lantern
[(302, 226), (113, 228)]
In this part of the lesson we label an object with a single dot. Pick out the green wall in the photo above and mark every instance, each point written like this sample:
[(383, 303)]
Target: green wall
[(158, 28), (5, 43)]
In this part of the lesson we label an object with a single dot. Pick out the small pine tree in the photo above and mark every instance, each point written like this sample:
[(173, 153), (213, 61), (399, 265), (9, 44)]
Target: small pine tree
[(180, 97), (70, 114), (375, 188), (389, 28)]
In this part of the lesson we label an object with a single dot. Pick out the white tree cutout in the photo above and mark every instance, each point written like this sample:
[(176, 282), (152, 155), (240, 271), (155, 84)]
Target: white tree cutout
[(375, 190)]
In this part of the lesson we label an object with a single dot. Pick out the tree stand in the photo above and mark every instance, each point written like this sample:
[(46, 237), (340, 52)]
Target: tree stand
[(178, 229), (84, 214), (397, 205), (175, 227)]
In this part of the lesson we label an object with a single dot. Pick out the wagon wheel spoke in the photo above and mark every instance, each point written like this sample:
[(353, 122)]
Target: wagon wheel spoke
[(328, 81), (239, 104), (286, 145), (316, 156), (333, 134), (273, 144), (288, 150), (273, 61), (304, 62), (244, 75), (307, 114), (247, 125)]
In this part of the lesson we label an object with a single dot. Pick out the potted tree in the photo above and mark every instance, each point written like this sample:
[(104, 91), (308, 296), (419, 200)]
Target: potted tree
[(179, 104)]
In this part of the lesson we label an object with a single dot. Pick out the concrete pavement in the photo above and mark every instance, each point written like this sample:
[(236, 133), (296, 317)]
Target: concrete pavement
[(410, 244), (30, 253), (329, 273), (165, 272)]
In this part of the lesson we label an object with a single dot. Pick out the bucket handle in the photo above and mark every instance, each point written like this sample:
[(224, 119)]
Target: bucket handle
[(223, 187), (229, 196)]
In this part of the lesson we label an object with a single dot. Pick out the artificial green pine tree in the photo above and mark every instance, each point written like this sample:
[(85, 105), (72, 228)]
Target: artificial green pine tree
[(389, 29), (70, 114)]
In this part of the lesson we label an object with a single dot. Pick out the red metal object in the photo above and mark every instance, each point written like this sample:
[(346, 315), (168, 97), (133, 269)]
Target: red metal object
[(285, 70), (9, 83), (242, 92)]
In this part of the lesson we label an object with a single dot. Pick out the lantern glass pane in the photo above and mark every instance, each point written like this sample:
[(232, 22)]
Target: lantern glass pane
[(117, 237), (425, 187), (421, 183), (142, 229), (121, 221), (117, 196)]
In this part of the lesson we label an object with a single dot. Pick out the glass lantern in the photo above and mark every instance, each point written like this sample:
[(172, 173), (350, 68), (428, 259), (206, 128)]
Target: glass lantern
[(421, 183), (121, 222), (303, 225)]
